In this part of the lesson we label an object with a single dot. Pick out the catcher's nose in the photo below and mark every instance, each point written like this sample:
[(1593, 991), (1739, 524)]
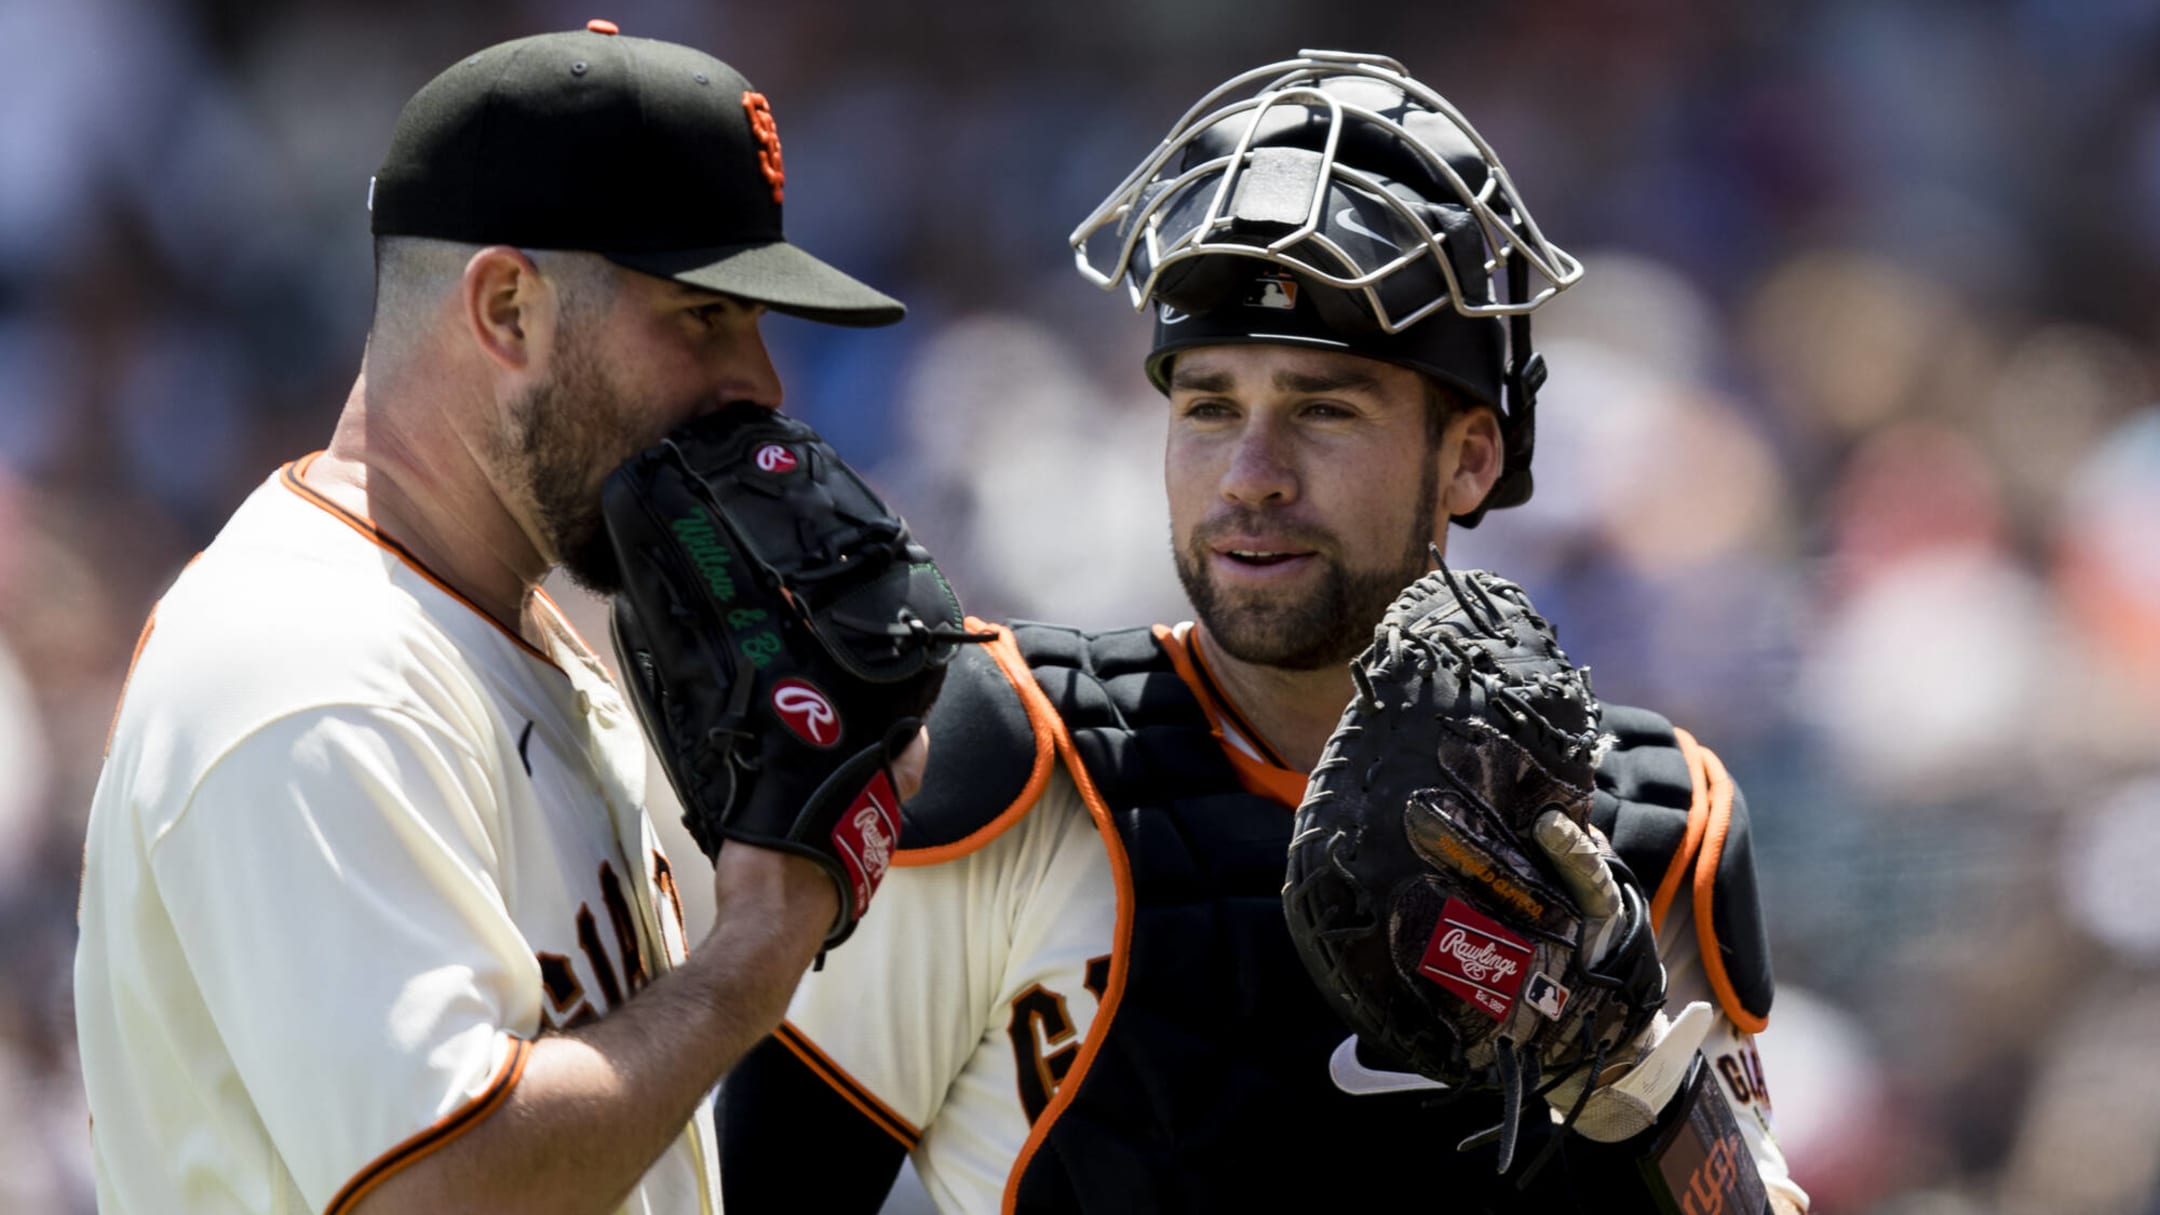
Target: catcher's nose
[(1256, 473)]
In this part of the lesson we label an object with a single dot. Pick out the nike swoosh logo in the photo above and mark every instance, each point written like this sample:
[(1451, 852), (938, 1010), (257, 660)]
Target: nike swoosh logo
[(1359, 1080), (1171, 316), (525, 740), (1348, 219)]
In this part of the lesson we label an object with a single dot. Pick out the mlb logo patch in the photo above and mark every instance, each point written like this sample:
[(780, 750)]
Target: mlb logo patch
[(1477, 959), (1272, 291), (1546, 996)]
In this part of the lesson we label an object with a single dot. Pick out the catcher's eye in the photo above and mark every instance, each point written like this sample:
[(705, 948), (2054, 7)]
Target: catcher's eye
[(1208, 407)]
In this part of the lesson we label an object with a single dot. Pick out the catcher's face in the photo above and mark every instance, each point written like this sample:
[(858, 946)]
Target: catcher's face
[(1304, 487), (621, 375)]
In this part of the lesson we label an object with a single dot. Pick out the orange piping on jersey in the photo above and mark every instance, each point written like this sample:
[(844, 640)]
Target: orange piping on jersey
[(1713, 960), (1203, 675), (140, 641), (838, 1079), (291, 475), (446, 1128), (563, 618), (1120, 961), (1698, 820), (1277, 782), (1006, 652), (82, 871)]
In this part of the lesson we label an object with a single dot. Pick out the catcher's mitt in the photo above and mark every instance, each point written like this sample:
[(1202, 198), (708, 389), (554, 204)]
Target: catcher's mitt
[(1422, 891), (782, 636)]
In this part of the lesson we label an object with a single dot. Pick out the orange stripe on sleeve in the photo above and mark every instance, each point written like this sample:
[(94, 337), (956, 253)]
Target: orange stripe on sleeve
[(1120, 963), (1713, 847), (1006, 652), (435, 1137), (1698, 820), (847, 1086)]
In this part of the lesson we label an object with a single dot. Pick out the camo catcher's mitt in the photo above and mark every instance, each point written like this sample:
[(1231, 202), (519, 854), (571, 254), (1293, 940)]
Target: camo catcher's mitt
[(782, 636), (1418, 892)]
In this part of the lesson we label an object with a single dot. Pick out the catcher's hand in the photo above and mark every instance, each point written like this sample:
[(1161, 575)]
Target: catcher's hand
[(783, 639), (1444, 886)]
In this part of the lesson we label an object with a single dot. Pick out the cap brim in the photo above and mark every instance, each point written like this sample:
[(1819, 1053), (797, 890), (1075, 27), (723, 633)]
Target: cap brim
[(777, 275)]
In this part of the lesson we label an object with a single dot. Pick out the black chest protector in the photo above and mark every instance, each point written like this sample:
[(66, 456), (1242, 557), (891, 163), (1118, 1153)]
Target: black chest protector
[(1210, 1088)]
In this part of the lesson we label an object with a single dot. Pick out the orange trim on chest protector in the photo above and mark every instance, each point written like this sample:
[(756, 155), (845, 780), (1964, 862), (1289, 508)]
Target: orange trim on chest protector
[(1113, 993), (1005, 651)]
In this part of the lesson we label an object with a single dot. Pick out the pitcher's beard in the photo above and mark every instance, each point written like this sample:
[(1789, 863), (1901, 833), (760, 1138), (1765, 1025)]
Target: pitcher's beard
[(1306, 631), (562, 429)]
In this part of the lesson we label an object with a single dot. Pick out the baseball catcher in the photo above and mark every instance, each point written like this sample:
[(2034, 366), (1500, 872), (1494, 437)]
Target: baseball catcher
[(782, 636), (1088, 994)]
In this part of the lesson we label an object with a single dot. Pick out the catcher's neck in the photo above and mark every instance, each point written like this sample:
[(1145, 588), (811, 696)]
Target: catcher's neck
[(1294, 711)]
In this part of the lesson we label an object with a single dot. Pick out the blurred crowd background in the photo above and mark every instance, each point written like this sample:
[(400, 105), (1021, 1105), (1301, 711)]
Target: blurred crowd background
[(1850, 460)]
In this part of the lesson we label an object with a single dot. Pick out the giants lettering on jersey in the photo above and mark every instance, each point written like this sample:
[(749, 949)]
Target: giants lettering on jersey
[(1041, 1030), (1743, 1073), (571, 1004), (806, 712), (865, 835), (1477, 959)]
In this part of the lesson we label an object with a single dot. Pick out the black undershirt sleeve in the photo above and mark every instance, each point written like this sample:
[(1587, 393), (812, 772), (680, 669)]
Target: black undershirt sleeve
[(790, 1142)]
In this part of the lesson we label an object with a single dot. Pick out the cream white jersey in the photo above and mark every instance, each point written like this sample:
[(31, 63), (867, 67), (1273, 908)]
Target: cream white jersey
[(353, 849), (962, 1005)]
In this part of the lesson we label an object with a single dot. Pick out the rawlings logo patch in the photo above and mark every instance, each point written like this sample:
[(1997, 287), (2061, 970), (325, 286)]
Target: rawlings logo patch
[(806, 712), (868, 831), (774, 458), (1477, 959)]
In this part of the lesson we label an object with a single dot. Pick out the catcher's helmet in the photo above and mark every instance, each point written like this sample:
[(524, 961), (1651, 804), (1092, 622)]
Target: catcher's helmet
[(1333, 201)]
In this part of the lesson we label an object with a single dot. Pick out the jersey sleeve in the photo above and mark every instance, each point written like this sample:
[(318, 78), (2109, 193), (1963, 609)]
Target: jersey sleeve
[(895, 1024), (894, 1016), (333, 880), (1736, 1064), (820, 1115)]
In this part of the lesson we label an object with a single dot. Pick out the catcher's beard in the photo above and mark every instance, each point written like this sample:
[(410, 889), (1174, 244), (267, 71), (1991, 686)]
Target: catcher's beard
[(566, 435), (1294, 631)]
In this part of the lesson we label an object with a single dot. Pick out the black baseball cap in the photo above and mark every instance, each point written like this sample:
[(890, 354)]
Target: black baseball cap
[(655, 156)]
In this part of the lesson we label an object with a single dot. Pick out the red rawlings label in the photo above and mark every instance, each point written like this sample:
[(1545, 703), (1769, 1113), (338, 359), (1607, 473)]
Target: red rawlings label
[(774, 458), (806, 711), (1477, 959), (867, 833)]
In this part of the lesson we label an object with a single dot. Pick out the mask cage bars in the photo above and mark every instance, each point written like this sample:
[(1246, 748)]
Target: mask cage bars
[(1516, 245)]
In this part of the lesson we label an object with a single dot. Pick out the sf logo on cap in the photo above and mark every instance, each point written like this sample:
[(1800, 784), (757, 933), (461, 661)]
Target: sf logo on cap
[(767, 133), (805, 711)]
